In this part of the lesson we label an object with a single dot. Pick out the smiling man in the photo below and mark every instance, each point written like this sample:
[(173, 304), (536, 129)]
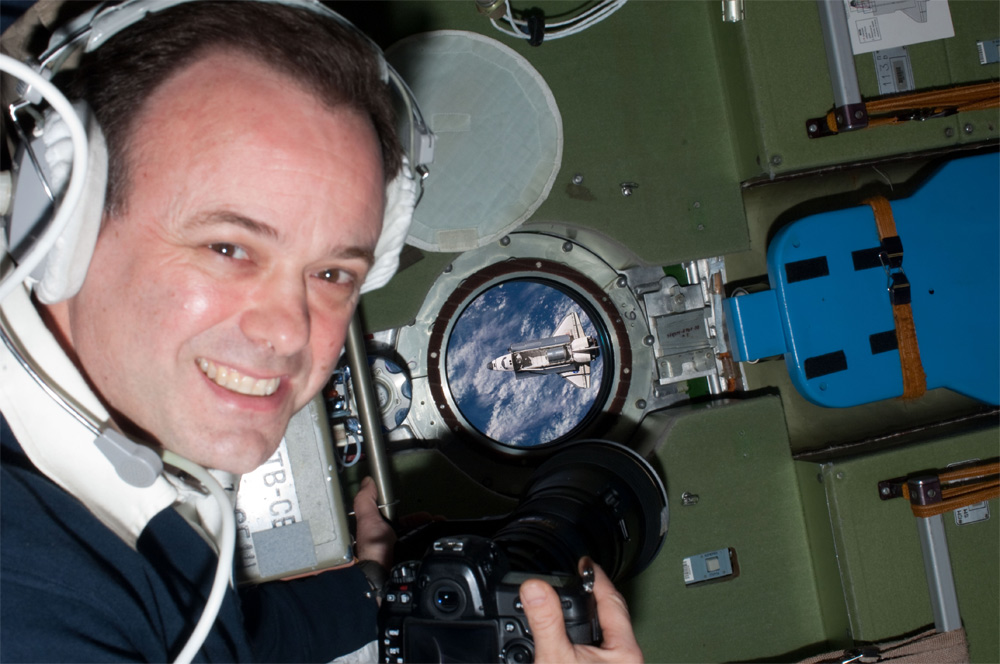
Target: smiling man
[(250, 146), (249, 150), (237, 259)]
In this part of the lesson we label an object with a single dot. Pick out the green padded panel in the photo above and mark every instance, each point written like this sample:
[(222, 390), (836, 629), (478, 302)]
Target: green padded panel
[(735, 458), (878, 548)]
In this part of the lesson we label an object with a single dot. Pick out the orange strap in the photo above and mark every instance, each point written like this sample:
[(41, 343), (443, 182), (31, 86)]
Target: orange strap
[(927, 104), (977, 483), (914, 378), (969, 497)]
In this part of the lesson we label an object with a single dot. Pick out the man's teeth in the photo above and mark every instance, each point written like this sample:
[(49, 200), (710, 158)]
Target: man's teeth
[(231, 379)]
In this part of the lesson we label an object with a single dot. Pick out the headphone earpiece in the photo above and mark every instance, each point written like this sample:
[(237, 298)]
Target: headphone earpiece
[(401, 197), (38, 189), (66, 265)]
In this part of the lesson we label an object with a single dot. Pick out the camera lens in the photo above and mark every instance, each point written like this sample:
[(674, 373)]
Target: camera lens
[(594, 498), (518, 652), (448, 599)]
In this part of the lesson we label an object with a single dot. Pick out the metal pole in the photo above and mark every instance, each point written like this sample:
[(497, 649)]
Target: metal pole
[(937, 567), (369, 416), (849, 109)]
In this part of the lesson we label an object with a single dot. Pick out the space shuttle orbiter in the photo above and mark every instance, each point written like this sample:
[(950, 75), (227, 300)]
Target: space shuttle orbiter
[(568, 353)]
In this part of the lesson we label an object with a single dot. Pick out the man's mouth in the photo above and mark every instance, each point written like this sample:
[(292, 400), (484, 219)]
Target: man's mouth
[(233, 380)]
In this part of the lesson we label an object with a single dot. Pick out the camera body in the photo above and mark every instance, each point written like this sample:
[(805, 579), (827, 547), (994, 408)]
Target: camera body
[(461, 603)]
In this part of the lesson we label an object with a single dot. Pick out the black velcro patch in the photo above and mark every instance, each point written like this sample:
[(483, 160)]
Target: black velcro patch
[(883, 342), (865, 259), (810, 268), (822, 365)]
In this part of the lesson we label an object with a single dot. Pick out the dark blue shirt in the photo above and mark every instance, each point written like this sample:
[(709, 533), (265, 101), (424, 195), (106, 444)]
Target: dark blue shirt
[(71, 590)]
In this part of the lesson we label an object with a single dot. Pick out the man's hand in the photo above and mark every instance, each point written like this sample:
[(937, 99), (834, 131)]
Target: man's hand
[(545, 618), (375, 536)]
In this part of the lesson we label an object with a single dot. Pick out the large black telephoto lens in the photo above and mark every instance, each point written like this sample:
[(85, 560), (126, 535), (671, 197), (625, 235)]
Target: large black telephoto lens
[(595, 498)]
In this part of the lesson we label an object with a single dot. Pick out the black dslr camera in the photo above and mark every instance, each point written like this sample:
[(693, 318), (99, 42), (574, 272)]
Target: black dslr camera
[(456, 599), (461, 604)]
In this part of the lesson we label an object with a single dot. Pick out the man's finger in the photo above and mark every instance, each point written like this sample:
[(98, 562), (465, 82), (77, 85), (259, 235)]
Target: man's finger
[(375, 537), (612, 612), (545, 620)]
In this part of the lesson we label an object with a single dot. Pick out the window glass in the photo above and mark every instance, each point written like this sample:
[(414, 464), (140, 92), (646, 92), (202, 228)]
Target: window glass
[(538, 390)]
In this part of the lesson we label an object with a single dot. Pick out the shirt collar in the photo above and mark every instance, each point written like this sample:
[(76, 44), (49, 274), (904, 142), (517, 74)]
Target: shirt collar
[(56, 442)]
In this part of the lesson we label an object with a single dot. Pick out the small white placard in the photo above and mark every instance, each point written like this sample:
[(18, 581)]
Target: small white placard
[(884, 24), (972, 514)]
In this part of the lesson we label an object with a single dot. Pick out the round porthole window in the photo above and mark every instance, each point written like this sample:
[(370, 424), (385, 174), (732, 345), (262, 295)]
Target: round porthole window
[(527, 363)]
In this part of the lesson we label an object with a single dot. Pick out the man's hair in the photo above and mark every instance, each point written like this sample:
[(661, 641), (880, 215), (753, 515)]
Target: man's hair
[(329, 59)]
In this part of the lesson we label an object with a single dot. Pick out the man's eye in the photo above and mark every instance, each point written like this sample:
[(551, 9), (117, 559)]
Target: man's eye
[(335, 276), (229, 250)]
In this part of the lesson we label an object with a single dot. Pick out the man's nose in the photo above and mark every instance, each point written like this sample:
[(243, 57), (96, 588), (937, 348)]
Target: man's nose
[(278, 316)]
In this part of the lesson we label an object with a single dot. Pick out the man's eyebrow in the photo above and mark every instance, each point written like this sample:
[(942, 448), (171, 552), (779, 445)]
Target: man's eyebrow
[(226, 217), (265, 230), (358, 252)]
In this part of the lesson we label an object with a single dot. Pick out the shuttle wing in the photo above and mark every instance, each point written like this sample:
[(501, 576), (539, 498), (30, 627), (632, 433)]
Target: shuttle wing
[(579, 377), (570, 325)]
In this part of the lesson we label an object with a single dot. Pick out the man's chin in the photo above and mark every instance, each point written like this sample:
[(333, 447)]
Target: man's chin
[(235, 455)]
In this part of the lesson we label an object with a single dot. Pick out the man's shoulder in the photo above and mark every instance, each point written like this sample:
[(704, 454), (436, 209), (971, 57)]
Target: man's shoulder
[(65, 579), (72, 590), (49, 537)]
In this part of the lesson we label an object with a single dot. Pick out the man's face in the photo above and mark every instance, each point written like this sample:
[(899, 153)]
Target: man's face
[(217, 304)]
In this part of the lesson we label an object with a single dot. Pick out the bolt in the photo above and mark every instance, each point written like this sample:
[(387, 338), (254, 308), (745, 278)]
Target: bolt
[(628, 188), (701, 227), (813, 128), (886, 491), (949, 132), (648, 340), (578, 178), (505, 240), (567, 246), (640, 404), (697, 204), (776, 160), (448, 268), (858, 114), (621, 281), (968, 127)]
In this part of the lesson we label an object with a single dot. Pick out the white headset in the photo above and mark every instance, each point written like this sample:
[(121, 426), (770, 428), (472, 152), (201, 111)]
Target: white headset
[(59, 264), (54, 210)]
